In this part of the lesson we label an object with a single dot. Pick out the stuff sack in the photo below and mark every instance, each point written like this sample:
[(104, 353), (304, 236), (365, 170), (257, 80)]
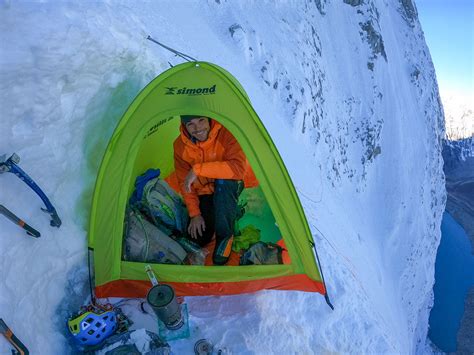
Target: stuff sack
[(262, 253), (144, 242), (249, 235)]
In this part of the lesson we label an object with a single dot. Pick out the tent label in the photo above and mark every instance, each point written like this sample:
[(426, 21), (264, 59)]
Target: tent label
[(190, 91)]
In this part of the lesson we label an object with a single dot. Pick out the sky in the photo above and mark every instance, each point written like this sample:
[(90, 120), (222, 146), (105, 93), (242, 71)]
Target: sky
[(449, 31)]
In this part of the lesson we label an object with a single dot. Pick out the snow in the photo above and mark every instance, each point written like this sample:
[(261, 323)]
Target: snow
[(359, 133)]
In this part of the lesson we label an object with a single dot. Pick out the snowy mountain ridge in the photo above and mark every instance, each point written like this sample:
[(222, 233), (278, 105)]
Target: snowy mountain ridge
[(347, 90), (456, 151), (459, 113)]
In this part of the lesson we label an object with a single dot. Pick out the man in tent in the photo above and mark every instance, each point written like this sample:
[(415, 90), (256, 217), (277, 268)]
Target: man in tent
[(211, 169)]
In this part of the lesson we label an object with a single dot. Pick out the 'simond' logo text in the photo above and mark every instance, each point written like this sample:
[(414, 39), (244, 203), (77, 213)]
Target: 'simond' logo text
[(191, 91)]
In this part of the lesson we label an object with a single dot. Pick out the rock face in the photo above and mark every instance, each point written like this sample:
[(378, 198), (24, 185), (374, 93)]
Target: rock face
[(353, 2), (409, 10)]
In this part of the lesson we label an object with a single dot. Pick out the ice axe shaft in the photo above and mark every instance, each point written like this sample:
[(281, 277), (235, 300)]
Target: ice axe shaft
[(12, 217), (12, 339)]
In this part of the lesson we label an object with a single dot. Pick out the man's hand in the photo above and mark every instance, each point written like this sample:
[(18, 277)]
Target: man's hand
[(190, 178), (196, 226)]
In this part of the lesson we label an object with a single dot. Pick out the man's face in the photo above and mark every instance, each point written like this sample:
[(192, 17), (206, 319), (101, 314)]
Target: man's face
[(198, 128)]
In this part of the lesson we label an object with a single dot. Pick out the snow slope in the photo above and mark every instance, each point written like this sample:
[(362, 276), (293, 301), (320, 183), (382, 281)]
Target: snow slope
[(346, 89)]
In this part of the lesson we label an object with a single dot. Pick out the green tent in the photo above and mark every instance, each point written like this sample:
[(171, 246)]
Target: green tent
[(144, 139)]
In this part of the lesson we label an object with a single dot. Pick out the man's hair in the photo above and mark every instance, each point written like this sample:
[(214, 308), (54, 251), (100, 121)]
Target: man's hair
[(187, 118)]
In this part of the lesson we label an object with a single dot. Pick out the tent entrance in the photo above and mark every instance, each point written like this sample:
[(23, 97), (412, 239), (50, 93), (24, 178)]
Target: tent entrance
[(155, 150), (144, 138)]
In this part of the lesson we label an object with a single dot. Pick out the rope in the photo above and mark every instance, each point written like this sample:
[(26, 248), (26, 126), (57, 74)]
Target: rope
[(180, 54), (320, 186)]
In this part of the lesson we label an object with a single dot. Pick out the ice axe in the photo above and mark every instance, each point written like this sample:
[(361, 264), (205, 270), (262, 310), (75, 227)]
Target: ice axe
[(10, 165)]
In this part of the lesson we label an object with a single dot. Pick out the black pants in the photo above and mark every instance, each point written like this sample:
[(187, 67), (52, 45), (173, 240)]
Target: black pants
[(219, 210)]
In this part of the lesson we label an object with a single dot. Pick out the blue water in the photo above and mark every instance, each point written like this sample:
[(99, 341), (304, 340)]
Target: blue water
[(454, 276)]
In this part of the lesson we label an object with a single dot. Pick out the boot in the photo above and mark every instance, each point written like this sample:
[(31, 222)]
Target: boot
[(222, 251)]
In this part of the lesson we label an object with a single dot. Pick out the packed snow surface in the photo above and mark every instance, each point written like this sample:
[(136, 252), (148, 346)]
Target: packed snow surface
[(348, 93)]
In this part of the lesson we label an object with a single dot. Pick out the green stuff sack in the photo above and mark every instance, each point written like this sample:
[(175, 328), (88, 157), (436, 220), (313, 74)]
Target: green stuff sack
[(249, 235)]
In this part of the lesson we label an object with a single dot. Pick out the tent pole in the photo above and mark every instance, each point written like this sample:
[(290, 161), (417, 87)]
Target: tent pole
[(182, 55), (89, 251), (326, 296)]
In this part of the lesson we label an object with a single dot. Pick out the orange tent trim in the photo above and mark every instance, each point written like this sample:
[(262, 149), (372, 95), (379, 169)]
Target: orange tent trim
[(139, 288)]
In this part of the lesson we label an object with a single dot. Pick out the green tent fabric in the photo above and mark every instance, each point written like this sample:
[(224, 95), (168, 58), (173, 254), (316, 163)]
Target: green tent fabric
[(144, 138)]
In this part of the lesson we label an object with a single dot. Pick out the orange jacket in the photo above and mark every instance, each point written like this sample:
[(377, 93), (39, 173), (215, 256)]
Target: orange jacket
[(219, 157)]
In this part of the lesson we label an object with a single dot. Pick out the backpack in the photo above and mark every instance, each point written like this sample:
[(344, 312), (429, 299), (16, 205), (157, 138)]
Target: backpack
[(154, 197), (144, 242), (165, 206), (262, 253)]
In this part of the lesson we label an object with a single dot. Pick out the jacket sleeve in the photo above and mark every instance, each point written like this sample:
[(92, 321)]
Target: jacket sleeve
[(232, 165), (182, 169)]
